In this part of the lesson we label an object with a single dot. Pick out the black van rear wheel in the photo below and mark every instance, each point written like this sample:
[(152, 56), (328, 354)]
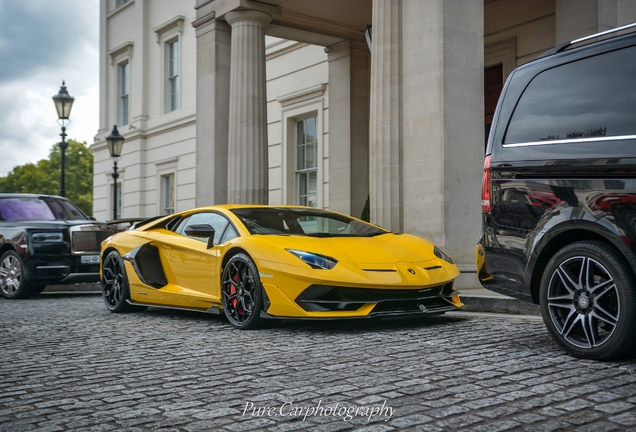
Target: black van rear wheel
[(588, 301)]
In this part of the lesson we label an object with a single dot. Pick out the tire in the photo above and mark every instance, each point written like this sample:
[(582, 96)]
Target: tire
[(13, 284), (115, 287), (588, 301), (242, 293)]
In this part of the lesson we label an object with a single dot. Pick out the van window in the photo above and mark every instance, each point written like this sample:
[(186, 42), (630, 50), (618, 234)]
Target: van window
[(592, 97)]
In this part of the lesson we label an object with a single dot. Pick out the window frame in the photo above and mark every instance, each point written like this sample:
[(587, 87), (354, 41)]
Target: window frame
[(163, 191), (123, 93), (298, 105), (173, 75), (302, 175)]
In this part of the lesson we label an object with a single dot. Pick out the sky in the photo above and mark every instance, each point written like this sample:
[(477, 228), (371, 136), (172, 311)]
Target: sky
[(43, 42)]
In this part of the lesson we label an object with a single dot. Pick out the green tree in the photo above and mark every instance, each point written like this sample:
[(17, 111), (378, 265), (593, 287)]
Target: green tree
[(43, 177)]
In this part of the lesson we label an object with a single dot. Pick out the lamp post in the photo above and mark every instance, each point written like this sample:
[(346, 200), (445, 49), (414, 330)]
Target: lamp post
[(115, 144), (63, 104)]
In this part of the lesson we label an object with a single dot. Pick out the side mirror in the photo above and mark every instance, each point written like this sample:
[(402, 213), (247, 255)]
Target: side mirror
[(201, 231)]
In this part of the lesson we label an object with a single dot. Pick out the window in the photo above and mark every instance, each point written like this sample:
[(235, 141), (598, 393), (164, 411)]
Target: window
[(306, 222), (13, 209), (121, 2), (173, 75), (592, 97), (124, 90), (306, 162), (167, 194), (223, 231)]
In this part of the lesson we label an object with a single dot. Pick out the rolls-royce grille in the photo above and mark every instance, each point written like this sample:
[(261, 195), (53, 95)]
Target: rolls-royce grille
[(89, 241)]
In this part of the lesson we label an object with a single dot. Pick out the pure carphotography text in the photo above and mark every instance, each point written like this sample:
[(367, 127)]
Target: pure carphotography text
[(345, 411)]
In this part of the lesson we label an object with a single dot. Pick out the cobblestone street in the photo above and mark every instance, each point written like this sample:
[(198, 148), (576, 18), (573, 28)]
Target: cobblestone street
[(67, 363)]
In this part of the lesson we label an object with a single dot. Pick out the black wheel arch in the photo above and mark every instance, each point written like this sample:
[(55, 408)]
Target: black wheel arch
[(230, 253), (567, 233)]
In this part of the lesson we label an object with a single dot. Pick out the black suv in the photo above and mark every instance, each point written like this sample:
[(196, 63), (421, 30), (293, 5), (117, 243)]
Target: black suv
[(46, 240), (559, 194)]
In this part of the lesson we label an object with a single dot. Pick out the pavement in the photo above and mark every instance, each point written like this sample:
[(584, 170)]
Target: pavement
[(70, 365), (475, 299)]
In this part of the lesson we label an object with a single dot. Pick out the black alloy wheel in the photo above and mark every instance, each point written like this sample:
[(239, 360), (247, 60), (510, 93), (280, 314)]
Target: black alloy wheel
[(588, 301), (13, 284), (115, 288), (242, 292)]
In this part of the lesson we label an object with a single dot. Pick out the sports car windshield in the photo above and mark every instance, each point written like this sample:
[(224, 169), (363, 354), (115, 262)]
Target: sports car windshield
[(307, 222)]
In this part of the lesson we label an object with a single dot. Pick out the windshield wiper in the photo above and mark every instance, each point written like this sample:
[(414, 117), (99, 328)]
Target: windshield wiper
[(373, 234), (319, 234)]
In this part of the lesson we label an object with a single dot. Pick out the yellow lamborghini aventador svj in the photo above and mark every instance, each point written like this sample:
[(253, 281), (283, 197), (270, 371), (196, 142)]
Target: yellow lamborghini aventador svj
[(259, 262)]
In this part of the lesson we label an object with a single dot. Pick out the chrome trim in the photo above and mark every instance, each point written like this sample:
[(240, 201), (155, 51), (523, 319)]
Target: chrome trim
[(603, 33), (572, 141), (52, 267)]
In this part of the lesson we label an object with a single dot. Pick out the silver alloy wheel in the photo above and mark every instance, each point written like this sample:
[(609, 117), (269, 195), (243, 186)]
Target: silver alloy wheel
[(583, 302), (10, 275)]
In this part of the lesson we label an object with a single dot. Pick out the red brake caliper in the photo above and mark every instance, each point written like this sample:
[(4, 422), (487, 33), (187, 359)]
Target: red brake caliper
[(234, 301)]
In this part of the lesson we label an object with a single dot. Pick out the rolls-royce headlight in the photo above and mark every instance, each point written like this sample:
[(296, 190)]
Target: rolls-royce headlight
[(47, 237), (442, 255), (314, 260)]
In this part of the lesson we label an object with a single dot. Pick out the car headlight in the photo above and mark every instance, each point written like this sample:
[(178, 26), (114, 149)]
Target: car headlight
[(442, 255), (314, 260), (47, 237)]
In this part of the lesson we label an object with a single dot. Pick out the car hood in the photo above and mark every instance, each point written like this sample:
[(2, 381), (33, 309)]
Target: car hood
[(378, 250)]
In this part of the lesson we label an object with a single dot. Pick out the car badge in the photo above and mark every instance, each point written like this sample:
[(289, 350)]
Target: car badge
[(411, 271), (422, 308)]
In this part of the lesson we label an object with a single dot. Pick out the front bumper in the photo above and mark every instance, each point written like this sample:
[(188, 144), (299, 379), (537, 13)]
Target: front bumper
[(333, 302), (44, 269)]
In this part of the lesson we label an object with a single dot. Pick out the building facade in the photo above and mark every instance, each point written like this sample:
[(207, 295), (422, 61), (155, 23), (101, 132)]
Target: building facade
[(286, 102)]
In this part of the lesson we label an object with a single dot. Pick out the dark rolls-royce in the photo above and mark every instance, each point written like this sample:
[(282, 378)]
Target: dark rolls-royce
[(46, 240)]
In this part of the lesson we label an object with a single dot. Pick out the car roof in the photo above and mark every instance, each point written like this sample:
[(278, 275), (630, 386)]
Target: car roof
[(26, 195)]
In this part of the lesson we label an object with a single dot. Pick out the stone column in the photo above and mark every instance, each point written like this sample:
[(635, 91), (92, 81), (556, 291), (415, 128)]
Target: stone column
[(443, 118), (213, 101), (427, 122), (578, 18), (348, 126), (385, 168), (247, 148)]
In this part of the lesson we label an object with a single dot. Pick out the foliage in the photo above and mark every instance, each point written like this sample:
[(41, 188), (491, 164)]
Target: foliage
[(43, 177), (366, 211)]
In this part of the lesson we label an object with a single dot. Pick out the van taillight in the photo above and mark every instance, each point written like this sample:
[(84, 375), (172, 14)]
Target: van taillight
[(485, 186)]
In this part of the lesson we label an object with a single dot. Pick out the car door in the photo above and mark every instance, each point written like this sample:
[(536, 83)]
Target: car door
[(191, 267)]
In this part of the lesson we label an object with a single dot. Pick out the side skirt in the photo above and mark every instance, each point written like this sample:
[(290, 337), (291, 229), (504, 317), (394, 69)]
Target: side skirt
[(214, 309)]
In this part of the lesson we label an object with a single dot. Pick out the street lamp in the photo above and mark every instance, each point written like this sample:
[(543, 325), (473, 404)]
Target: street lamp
[(115, 144), (63, 104)]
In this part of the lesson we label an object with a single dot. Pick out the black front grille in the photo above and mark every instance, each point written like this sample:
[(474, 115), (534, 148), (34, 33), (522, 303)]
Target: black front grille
[(331, 298), (89, 241)]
